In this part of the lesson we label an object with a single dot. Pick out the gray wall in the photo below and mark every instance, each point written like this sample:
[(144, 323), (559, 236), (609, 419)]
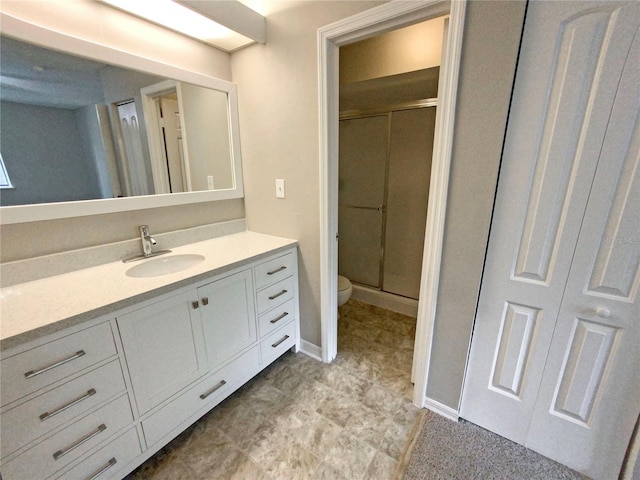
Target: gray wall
[(489, 54), (44, 155)]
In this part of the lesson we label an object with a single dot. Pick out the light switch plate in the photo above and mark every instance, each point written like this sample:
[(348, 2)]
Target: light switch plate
[(279, 188)]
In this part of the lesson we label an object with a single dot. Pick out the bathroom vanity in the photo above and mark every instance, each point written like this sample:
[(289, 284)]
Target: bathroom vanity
[(100, 369)]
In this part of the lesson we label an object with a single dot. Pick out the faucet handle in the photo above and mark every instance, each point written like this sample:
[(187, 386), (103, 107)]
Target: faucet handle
[(144, 230)]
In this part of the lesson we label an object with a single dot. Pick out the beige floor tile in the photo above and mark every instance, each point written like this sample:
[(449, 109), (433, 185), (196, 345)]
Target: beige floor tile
[(368, 425), (317, 434), (310, 394), (350, 456), (395, 440), (338, 408), (327, 472), (266, 443), (382, 400), (382, 467), (294, 463), (241, 467)]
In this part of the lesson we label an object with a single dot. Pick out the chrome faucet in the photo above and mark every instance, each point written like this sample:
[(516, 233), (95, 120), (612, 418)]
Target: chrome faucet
[(147, 240), (147, 246)]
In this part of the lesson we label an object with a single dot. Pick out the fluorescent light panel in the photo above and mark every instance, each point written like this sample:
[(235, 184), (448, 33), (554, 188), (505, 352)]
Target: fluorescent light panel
[(181, 19)]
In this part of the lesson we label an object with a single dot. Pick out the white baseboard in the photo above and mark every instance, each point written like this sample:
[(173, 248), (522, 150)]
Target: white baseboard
[(311, 350), (441, 409)]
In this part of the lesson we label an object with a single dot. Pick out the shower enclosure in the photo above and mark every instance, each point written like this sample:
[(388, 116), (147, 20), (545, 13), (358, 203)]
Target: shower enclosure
[(385, 166)]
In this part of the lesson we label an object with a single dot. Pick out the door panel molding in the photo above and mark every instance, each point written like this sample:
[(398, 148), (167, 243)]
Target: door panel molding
[(512, 352), (575, 79), (589, 355)]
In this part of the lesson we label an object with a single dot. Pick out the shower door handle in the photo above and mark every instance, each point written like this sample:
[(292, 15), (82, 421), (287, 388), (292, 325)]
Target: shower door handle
[(381, 208)]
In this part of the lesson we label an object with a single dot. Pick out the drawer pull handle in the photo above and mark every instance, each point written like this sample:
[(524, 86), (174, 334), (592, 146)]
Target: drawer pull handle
[(273, 297), (214, 389), (205, 301), (62, 453), (280, 341), (109, 464), (276, 270), (47, 415), (33, 373), (278, 318)]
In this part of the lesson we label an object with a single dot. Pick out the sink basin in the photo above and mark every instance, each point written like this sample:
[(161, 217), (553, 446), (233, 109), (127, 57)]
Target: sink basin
[(165, 265)]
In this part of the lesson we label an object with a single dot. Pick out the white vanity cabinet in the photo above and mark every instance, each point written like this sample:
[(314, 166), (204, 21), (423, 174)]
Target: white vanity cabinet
[(97, 399)]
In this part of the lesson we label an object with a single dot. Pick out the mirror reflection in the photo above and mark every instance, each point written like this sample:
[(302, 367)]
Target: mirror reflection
[(75, 129)]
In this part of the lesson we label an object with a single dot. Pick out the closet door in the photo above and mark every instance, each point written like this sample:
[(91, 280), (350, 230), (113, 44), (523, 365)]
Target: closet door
[(532, 375), (589, 398)]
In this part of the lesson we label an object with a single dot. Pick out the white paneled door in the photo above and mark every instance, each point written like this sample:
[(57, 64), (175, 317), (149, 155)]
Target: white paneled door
[(555, 357)]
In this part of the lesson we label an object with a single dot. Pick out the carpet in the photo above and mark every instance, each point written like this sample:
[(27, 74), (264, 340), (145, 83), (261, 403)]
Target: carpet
[(443, 449)]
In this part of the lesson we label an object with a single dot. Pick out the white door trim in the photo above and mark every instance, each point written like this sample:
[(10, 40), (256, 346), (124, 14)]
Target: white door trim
[(378, 20), (150, 96)]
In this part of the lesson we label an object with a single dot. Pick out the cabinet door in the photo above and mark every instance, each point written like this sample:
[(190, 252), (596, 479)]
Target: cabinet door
[(164, 349), (228, 316)]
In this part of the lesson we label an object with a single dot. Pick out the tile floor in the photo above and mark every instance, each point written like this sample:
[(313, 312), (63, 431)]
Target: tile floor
[(302, 419)]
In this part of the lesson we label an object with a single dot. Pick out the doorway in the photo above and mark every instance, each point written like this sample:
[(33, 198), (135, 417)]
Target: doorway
[(162, 106), (168, 112), (384, 18)]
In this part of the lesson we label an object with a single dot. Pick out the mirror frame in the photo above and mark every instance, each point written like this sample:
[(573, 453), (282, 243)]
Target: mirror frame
[(26, 31)]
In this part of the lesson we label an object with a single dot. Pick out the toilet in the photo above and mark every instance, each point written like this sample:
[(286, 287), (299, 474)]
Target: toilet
[(344, 290)]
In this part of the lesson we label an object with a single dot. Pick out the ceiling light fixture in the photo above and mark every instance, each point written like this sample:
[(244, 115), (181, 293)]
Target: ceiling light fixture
[(179, 18)]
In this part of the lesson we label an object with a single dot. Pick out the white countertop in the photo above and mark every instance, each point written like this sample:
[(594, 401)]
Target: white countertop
[(36, 308)]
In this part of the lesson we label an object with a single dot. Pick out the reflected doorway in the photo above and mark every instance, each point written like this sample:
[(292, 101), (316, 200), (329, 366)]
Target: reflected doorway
[(170, 127)]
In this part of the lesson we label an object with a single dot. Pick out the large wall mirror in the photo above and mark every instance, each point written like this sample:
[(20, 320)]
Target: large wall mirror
[(82, 136)]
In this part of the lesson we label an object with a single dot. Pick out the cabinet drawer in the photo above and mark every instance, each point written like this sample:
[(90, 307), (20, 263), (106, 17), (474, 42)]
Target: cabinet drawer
[(61, 449), (274, 319), (278, 342), (109, 460), (34, 369), (48, 411), (273, 271), (214, 389), (276, 294)]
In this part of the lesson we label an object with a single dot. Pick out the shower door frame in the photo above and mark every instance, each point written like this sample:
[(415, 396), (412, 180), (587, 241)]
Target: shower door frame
[(387, 110), (378, 20)]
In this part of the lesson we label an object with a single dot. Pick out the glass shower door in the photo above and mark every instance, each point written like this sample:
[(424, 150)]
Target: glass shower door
[(363, 165)]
